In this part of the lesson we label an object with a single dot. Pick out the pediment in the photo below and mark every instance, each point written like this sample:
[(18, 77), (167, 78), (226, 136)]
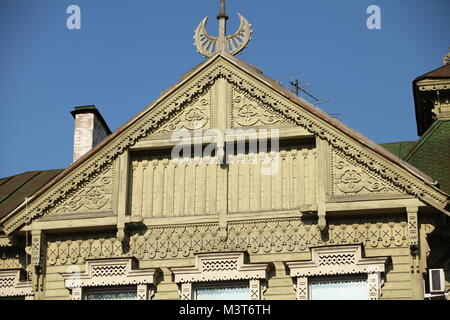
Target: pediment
[(251, 100)]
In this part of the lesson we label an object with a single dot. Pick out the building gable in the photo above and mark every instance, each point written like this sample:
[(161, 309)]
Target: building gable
[(222, 93)]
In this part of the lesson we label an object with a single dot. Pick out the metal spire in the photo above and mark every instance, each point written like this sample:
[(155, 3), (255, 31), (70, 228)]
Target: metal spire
[(208, 45)]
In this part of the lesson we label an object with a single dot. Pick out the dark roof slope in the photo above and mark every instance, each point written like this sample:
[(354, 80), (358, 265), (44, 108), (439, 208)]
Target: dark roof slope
[(14, 189), (431, 153), (439, 73)]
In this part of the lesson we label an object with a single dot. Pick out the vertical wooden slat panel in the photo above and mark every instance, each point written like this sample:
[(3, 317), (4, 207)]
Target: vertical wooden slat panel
[(257, 182), (148, 197), (306, 175), (159, 189), (138, 174), (170, 190), (201, 187)]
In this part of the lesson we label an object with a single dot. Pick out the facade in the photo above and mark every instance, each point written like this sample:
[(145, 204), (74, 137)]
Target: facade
[(266, 197)]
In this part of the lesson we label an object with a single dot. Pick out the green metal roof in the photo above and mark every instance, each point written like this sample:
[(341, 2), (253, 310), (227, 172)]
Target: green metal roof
[(431, 153), (14, 189)]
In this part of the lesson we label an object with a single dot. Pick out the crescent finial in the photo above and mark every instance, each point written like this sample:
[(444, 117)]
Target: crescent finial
[(208, 45)]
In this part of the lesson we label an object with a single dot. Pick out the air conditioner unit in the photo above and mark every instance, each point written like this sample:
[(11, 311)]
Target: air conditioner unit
[(437, 280)]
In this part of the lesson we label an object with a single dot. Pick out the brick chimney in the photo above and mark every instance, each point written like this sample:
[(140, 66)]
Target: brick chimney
[(90, 130)]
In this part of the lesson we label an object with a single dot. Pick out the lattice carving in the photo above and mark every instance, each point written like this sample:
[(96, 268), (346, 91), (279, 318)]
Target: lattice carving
[(258, 236), (111, 272), (11, 285), (338, 260), (221, 267)]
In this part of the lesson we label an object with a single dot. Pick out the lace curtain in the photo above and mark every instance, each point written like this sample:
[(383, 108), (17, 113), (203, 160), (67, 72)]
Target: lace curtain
[(352, 289), (223, 293)]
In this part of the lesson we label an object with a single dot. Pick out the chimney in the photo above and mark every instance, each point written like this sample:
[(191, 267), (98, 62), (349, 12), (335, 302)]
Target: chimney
[(90, 130)]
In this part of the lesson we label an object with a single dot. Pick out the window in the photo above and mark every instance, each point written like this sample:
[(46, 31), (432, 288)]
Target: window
[(113, 293), (111, 279), (222, 276), (355, 277), (338, 289), (220, 291)]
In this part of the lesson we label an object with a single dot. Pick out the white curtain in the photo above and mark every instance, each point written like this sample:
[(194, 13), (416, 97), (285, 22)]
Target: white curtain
[(113, 295), (352, 289), (222, 293)]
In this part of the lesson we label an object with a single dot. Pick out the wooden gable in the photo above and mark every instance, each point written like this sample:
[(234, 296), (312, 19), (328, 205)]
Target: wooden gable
[(322, 162)]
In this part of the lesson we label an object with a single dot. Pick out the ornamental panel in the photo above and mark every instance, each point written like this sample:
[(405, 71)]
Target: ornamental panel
[(214, 267), (111, 273), (338, 260), (11, 285)]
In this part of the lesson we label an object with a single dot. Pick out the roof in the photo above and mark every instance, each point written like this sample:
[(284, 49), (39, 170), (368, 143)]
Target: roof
[(423, 107), (400, 149), (431, 153), (14, 189), (439, 73)]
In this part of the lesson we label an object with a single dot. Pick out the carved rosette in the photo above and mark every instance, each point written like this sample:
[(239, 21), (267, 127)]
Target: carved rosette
[(349, 178), (198, 115)]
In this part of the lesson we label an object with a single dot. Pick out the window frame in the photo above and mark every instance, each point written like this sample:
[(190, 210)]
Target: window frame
[(221, 267), (219, 284), (335, 278), (339, 261), (113, 272), (108, 289)]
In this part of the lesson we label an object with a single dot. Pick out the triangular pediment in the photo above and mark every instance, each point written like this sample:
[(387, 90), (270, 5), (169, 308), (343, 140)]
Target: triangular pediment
[(357, 165)]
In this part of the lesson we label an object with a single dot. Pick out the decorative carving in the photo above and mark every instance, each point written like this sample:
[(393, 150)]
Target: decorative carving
[(248, 112), (12, 286), (258, 236), (94, 196), (338, 260), (413, 227), (111, 272), (157, 116), (196, 116), (351, 178), (211, 267)]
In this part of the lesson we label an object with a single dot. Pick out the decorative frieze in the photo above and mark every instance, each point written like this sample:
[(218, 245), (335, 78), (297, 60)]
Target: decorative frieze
[(111, 272), (350, 178), (229, 266), (11, 285), (258, 237)]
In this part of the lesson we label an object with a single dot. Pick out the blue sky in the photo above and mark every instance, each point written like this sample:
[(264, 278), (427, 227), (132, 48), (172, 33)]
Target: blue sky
[(127, 52)]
